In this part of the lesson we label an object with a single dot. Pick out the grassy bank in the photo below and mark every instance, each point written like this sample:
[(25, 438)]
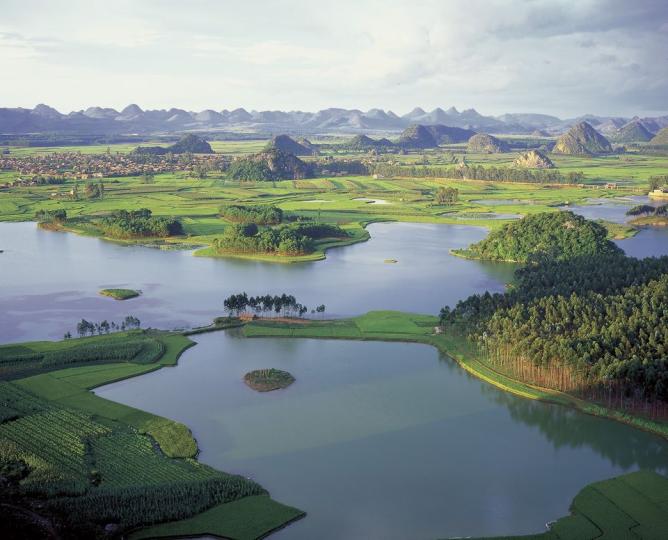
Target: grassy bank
[(92, 461), (397, 326), (628, 506)]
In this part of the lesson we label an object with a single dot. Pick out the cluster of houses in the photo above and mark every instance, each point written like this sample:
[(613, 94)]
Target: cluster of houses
[(54, 168)]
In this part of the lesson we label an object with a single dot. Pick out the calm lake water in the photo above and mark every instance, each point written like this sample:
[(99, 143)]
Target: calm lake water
[(386, 440), (374, 440), (49, 280)]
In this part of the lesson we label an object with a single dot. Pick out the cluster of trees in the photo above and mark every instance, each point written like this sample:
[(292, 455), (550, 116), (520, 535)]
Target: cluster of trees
[(94, 191), (87, 328), (284, 305), (446, 195), (548, 235), (655, 182), (479, 172), (594, 325), (648, 210), (51, 216), (260, 214), (139, 223), (293, 239)]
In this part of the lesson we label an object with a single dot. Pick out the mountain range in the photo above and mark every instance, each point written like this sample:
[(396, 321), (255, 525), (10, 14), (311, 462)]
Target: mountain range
[(134, 120)]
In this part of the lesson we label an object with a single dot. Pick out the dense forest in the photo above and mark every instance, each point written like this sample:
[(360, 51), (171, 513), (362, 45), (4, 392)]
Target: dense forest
[(548, 235), (139, 224), (259, 214), (293, 239), (51, 216), (592, 325)]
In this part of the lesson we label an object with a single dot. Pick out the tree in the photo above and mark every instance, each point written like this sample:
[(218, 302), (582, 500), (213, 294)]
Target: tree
[(447, 195), (321, 309)]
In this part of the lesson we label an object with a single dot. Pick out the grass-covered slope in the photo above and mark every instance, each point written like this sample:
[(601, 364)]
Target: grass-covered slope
[(554, 235)]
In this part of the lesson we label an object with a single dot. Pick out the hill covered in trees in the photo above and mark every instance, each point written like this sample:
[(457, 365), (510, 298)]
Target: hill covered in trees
[(420, 136), (285, 143), (592, 325), (364, 143), (139, 224), (549, 235), (582, 140), (482, 143), (188, 144), (272, 164)]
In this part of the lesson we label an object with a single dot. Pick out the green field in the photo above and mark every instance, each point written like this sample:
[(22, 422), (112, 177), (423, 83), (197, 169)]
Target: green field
[(89, 461), (343, 200)]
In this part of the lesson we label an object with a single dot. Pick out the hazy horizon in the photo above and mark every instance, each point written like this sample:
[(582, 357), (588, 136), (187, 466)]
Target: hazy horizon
[(564, 58)]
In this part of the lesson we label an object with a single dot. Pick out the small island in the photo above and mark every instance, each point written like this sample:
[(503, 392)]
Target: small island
[(120, 294), (266, 380)]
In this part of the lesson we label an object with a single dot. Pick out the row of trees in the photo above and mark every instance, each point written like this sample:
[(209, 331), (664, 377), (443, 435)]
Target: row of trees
[(479, 172), (285, 305), (51, 216), (139, 223), (87, 328), (648, 210), (658, 181)]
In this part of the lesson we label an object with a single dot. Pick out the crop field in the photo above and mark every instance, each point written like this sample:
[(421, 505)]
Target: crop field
[(99, 461)]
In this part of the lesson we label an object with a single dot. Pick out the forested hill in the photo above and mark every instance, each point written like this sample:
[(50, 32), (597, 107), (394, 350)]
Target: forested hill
[(594, 325), (549, 235)]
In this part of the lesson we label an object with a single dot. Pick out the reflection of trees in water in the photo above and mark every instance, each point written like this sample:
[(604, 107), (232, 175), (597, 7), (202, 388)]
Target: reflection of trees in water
[(622, 445)]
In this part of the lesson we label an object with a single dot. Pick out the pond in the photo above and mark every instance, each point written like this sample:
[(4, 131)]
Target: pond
[(386, 440), (50, 280)]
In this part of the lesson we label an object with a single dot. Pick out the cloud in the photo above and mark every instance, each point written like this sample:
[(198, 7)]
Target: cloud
[(557, 56)]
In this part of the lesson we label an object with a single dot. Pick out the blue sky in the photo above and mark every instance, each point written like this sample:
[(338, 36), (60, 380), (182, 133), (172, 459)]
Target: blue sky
[(558, 57)]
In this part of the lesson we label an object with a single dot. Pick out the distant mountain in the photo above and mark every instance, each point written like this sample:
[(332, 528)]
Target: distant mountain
[(582, 140), (661, 138), (450, 135), (135, 121), (632, 132), (363, 143), (482, 143), (416, 137), (285, 143), (188, 144), (533, 159)]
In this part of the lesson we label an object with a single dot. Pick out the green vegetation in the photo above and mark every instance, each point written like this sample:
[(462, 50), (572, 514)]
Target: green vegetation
[(138, 224), (244, 519), (558, 235), (81, 462), (291, 240), (272, 164), (266, 380), (51, 216), (120, 294), (261, 215), (628, 506)]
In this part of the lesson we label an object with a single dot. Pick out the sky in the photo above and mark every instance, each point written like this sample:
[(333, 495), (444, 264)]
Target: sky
[(607, 57)]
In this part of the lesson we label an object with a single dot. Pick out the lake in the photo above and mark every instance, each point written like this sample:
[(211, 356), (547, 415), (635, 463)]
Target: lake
[(381, 440), (50, 280), (386, 440)]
